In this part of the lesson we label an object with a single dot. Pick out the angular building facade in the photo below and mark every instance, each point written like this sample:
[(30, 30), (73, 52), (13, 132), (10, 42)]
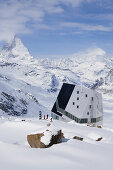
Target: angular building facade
[(81, 104)]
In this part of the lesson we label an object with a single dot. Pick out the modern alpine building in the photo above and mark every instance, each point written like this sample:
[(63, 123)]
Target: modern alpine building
[(78, 103)]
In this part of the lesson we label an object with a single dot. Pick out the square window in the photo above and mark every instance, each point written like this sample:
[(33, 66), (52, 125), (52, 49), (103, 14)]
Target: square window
[(77, 98), (77, 92), (77, 106), (86, 95), (73, 103)]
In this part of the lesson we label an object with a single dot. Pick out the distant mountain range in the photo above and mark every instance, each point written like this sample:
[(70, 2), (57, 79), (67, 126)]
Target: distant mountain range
[(28, 84)]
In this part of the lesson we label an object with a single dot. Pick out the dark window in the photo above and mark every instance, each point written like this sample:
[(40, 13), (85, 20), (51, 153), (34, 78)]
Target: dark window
[(92, 98), (66, 113), (77, 92), (86, 95), (56, 117), (90, 106), (75, 119), (85, 120), (71, 116), (77, 106), (94, 119), (77, 98), (73, 103), (87, 113), (52, 115)]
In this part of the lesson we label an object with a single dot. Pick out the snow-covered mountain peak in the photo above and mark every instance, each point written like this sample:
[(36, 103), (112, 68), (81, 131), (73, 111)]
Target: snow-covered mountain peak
[(95, 54), (91, 57), (15, 49)]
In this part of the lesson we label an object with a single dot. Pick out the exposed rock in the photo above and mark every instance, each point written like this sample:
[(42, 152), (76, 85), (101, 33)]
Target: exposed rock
[(6, 106), (45, 139), (99, 126), (63, 135), (23, 102), (97, 83), (24, 111), (34, 140), (10, 105), (49, 124), (78, 138), (99, 139), (8, 97)]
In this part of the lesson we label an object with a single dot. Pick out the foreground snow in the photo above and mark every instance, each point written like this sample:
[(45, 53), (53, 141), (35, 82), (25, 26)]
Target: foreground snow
[(15, 153)]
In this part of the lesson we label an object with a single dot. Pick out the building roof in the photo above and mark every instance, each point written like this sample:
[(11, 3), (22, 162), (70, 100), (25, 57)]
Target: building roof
[(65, 94), (63, 97)]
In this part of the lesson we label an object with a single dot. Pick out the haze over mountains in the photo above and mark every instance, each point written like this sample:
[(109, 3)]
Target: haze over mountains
[(28, 85)]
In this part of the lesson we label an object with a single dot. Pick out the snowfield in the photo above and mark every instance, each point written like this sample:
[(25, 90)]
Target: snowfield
[(15, 153)]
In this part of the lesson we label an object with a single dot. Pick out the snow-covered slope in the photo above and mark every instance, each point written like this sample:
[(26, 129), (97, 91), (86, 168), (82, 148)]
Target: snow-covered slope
[(28, 85), (89, 154)]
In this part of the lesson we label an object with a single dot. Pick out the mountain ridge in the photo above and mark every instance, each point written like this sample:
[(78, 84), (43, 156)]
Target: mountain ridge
[(38, 81)]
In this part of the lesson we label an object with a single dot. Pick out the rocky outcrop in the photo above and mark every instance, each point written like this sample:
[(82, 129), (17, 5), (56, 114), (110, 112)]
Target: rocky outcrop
[(99, 139), (10, 105), (78, 138), (34, 140), (47, 138)]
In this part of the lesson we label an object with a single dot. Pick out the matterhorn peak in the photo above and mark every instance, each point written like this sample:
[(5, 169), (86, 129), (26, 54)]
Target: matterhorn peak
[(15, 49)]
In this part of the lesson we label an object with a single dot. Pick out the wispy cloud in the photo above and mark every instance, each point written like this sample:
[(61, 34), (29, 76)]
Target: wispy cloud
[(86, 27), (19, 16), (97, 17), (25, 16)]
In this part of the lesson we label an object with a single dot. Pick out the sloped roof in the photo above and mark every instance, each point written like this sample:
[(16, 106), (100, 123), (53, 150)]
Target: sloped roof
[(63, 96)]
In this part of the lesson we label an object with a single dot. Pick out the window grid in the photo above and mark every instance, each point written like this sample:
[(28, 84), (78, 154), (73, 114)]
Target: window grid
[(93, 120)]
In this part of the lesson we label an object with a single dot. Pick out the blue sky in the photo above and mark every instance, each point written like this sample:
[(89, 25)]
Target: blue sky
[(58, 27)]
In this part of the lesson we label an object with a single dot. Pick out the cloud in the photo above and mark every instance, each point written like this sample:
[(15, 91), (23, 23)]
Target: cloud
[(26, 16), (19, 16), (86, 27)]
